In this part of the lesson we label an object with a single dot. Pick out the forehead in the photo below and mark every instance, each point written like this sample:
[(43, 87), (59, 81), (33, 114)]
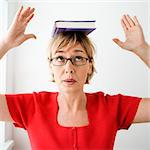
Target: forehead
[(77, 48)]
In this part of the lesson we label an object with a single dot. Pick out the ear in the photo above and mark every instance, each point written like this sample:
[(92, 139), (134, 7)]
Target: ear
[(90, 68), (50, 65), (51, 72)]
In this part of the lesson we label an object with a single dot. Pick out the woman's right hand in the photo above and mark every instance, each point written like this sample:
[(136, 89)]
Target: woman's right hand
[(16, 33)]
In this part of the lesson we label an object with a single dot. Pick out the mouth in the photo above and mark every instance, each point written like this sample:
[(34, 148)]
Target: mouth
[(69, 81)]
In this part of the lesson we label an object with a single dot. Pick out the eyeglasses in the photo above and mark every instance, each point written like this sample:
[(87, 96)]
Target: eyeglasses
[(75, 60)]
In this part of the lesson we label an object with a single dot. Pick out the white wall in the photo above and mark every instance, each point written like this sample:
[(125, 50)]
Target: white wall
[(118, 70)]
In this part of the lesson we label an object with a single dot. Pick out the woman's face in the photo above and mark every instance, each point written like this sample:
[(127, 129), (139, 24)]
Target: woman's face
[(69, 77)]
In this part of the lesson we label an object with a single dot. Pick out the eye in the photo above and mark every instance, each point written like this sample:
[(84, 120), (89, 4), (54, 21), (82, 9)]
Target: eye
[(60, 59), (78, 58)]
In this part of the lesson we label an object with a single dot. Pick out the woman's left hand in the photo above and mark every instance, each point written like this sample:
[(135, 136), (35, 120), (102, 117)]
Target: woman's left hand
[(133, 33)]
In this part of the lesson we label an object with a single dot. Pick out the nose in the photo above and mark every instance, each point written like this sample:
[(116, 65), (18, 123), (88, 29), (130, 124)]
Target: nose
[(69, 67)]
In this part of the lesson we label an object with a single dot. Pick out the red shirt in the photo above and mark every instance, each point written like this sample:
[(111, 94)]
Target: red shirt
[(37, 114)]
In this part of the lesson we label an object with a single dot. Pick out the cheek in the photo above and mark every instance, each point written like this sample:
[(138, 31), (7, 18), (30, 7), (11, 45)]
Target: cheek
[(82, 75), (57, 74)]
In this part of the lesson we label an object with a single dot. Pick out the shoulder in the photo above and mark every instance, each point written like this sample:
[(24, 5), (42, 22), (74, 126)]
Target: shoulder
[(45, 96), (95, 98), (95, 94), (46, 93), (111, 98)]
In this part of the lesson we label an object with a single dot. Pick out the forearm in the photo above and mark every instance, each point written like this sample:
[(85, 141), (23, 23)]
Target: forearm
[(4, 47), (144, 53)]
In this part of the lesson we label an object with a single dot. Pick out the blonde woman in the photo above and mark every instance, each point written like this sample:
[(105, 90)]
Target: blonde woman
[(70, 118)]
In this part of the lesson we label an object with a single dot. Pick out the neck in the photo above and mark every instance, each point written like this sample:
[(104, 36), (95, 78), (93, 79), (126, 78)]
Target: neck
[(72, 102)]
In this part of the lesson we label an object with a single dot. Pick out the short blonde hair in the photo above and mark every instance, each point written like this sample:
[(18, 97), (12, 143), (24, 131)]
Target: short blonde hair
[(69, 39)]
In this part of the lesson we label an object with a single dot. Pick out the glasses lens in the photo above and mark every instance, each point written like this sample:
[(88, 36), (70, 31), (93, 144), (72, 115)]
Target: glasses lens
[(76, 60), (79, 60), (58, 61)]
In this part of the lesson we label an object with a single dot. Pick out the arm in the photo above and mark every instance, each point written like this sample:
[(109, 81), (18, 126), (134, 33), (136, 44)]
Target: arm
[(143, 112), (14, 37), (16, 33), (4, 112), (135, 42)]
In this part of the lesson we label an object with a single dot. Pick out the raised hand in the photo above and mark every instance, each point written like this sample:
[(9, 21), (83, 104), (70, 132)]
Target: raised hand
[(133, 33), (16, 33)]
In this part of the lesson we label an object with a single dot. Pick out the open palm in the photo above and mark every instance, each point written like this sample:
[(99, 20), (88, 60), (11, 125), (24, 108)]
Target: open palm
[(16, 33), (133, 33)]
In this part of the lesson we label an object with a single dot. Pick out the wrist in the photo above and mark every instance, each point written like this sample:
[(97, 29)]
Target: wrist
[(6, 42), (3, 48), (143, 48), (144, 53)]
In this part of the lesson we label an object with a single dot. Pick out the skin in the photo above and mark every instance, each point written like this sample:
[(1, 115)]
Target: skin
[(16, 33), (72, 98), (135, 41)]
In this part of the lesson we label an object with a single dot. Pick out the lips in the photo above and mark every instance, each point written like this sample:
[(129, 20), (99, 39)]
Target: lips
[(69, 81)]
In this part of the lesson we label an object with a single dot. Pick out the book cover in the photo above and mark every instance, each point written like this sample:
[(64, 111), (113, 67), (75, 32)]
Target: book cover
[(64, 25)]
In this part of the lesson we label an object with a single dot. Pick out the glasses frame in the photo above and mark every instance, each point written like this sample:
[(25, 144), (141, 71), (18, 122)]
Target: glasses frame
[(71, 59)]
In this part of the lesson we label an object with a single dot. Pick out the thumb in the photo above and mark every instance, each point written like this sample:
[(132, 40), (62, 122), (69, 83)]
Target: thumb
[(29, 36), (118, 42)]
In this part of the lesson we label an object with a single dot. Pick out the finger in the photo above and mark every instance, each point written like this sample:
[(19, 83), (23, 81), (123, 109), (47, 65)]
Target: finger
[(130, 21), (30, 12), (136, 20), (29, 18), (29, 36), (118, 42), (126, 22), (123, 26), (25, 13), (19, 12)]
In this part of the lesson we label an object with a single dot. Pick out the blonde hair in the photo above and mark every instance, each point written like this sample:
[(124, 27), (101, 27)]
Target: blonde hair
[(69, 39)]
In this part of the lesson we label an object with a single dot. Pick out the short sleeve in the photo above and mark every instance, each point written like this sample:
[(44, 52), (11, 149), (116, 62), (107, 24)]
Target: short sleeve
[(123, 109), (21, 108)]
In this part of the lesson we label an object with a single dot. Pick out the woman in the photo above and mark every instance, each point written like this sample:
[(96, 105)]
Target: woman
[(70, 118)]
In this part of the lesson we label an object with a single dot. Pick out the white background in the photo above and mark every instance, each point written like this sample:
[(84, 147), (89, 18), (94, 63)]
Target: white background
[(118, 71)]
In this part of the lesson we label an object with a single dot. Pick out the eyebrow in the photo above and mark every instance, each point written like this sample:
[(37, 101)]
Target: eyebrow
[(75, 50)]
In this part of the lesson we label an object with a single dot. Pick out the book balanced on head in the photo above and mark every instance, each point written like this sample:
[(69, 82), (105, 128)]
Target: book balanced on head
[(64, 25)]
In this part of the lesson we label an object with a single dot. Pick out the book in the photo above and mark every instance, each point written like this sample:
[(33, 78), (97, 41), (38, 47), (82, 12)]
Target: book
[(64, 25)]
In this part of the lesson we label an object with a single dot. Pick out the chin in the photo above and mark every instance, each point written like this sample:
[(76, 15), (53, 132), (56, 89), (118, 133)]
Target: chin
[(70, 89)]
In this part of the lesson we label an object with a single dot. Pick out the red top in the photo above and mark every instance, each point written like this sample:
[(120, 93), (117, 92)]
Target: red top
[(37, 113)]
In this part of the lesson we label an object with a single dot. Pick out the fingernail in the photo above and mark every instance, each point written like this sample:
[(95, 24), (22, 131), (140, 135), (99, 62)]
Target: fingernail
[(115, 40)]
